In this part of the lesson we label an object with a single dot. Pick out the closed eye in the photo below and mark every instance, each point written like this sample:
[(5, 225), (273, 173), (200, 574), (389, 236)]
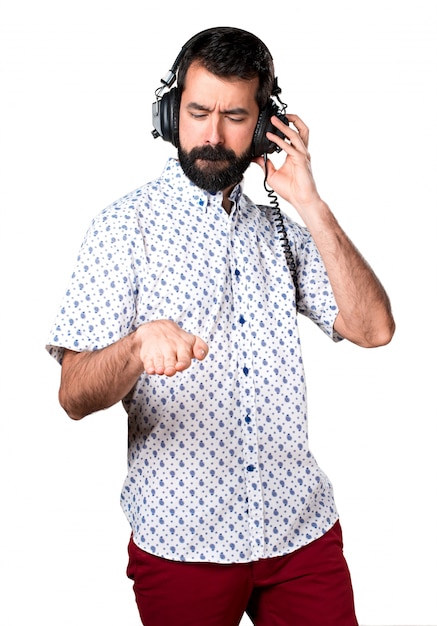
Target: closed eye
[(198, 112), (235, 119), (231, 118)]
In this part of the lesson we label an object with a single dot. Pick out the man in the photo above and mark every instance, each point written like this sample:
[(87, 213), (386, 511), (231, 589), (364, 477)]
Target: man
[(183, 307)]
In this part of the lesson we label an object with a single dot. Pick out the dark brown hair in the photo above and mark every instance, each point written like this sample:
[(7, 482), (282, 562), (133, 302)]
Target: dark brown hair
[(230, 52)]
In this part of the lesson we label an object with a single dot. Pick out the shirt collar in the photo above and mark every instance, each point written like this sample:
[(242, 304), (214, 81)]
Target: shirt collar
[(188, 190)]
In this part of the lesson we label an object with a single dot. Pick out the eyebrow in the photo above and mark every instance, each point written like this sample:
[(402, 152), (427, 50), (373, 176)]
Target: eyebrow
[(200, 107)]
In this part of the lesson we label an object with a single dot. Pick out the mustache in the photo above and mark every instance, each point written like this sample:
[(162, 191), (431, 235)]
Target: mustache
[(210, 153)]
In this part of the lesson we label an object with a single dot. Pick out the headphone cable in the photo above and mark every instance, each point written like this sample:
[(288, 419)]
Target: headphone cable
[(280, 227)]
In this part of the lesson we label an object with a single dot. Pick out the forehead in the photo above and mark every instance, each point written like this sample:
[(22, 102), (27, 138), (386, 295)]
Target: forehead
[(200, 83)]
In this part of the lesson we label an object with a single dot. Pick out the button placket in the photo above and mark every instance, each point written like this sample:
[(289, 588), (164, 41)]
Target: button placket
[(254, 501)]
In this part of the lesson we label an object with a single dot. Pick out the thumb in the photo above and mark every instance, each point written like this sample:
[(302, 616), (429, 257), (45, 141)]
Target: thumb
[(200, 348)]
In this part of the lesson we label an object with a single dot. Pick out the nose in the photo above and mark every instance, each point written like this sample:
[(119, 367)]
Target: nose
[(215, 135)]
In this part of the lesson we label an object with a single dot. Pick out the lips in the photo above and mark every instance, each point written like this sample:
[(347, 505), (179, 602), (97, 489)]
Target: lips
[(209, 162)]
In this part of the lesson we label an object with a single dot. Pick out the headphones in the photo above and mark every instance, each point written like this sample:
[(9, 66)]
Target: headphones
[(165, 110)]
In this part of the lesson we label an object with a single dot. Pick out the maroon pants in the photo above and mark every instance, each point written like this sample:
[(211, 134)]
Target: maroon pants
[(309, 587)]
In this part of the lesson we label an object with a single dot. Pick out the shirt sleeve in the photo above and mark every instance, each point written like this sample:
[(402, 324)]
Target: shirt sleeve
[(315, 297), (99, 305)]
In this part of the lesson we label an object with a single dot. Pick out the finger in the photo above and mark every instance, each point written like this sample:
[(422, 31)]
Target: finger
[(159, 363), (171, 353), (160, 367), (171, 366), (200, 349), (182, 362), (292, 135), (153, 365), (301, 127), (293, 147)]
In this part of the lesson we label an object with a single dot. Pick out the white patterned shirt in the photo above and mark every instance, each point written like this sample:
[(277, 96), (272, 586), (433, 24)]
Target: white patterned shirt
[(219, 467)]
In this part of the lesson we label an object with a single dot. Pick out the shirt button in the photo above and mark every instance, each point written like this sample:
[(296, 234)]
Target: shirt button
[(245, 370), (247, 419), (241, 320), (237, 272), (250, 468)]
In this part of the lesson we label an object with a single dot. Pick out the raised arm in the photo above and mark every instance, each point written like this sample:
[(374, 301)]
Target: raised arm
[(365, 316), (91, 381)]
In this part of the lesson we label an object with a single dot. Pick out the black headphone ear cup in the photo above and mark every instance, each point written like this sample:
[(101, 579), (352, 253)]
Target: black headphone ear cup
[(260, 144), (169, 116)]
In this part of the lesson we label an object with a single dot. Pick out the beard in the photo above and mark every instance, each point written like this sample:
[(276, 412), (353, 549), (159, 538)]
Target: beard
[(220, 168)]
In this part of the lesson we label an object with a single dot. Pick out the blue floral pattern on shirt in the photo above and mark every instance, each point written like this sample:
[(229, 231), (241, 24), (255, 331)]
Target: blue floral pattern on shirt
[(219, 467)]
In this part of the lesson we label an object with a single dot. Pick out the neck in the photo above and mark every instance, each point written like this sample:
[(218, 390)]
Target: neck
[(227, 202)]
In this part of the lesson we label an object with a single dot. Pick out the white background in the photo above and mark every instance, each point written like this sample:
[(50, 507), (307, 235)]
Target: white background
[(77, 83)]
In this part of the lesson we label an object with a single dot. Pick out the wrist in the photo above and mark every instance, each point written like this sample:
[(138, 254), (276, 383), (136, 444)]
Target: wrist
[(317, 215), (132, 352)]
